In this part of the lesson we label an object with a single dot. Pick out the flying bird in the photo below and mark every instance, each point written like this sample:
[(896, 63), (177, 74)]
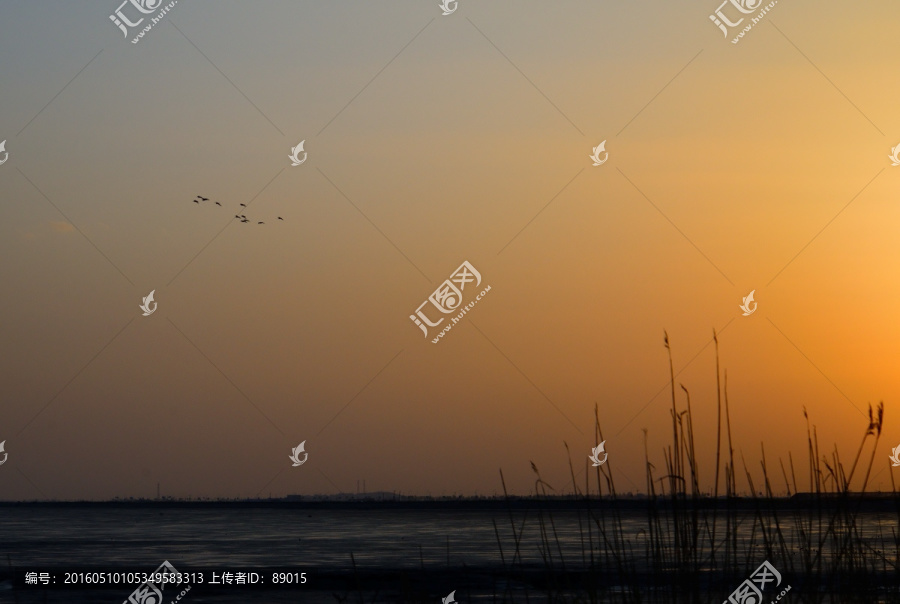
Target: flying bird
[(203, 198), (280, 218), (260, 222), (244, 205), (218, 204)]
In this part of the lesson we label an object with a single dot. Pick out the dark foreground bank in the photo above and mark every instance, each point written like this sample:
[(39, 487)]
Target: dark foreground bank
[(484, 550)]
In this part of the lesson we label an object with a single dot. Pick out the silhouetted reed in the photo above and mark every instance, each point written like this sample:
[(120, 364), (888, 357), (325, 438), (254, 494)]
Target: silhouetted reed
[(696, 547)]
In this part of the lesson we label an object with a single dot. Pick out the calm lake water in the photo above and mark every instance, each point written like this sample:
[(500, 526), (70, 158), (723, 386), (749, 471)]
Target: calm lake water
[(440, 550)]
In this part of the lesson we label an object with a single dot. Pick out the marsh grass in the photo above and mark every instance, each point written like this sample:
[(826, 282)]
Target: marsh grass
[(693, 547)]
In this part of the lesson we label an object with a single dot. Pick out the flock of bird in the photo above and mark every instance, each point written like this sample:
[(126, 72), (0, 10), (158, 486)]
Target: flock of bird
[(242, 217)]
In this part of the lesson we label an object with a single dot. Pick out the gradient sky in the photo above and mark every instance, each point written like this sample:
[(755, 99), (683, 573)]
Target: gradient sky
[(726, 162)]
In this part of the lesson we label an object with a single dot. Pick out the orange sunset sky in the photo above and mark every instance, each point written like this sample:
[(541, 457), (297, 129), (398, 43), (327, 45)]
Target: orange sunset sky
[(434, 140)]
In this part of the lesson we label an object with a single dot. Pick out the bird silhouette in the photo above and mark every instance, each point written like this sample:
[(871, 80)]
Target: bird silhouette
[(280, 218), (195, 201), (260, 223), (244, 205), (218, 204), (245, 220), (203, 198), (236, 216)]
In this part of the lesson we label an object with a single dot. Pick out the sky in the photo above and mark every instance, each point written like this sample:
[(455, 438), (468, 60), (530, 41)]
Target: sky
[(433, 140)]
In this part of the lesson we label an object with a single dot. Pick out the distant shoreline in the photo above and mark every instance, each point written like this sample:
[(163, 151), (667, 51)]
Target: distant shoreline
[(802, 501)]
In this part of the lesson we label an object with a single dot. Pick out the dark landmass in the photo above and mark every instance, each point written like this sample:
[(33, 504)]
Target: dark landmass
[(868, 502)]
